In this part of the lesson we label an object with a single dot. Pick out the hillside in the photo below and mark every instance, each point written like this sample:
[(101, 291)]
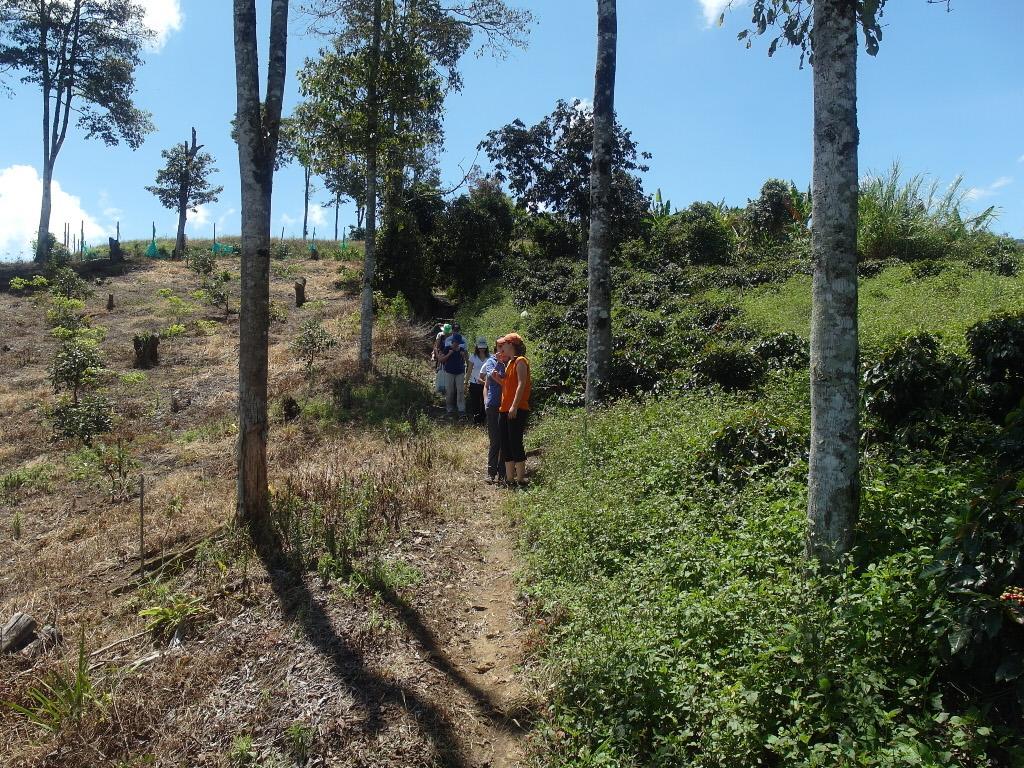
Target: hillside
[(386, 634)]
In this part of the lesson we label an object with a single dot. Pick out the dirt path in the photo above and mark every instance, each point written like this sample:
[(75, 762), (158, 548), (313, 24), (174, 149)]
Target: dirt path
[(485, 652)]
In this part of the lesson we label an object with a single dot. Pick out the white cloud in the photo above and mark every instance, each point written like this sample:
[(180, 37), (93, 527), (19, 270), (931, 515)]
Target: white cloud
[(316, 216), (21, 190), (200, 217), (223, 218), (979, 193), (163, 17), (713, 9)]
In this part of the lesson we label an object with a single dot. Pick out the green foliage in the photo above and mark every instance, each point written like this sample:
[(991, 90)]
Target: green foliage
[(685, 626), (350, 279), (75, 365), (214, 291), (202, 262), (983, 557), (996, 347), (62, 697), (701, 234), (912, 380), (242, 753), (312, 342), (779, 206), (474, 239), (183, 184), (731, 366), (300, 741), (28, 285), (18, 481), (783, 350), (66, 314), (912, 220), (173, 330), (173, 612), (65, 283), (278, 312), (91, 415)]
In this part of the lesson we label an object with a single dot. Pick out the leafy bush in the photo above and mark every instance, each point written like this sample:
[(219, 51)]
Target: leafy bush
[(349, 279), (984, 573), (783, 350), (28, 285), (927, 268), (911, 379), (312, 342), (66, 314), (75, 364), (173, 330), (214, 291), (749, 444), (698, 235), (730, 366), (779, 206), (202, 262), (90, 416), (996, 347), (65, 282)]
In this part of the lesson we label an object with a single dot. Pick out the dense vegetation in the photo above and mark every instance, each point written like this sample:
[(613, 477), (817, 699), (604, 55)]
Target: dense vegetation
[(664, 541)]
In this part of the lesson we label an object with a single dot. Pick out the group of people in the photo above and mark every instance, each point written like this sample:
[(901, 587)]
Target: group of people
[(498, 386)]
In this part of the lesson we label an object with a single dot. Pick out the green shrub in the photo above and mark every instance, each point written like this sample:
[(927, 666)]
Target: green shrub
[(779, 206), (75, 365), (66, 314), (996, 347), (65, 282), (730, 366), (92, 415), (350, 279), (783, 350), (312, 342), (749, 444), (912, 379), (202, 262), (698, 235), (28, 285)]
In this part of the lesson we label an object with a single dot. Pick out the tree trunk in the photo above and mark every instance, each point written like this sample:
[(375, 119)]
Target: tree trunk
[(43, 235), (599, 289), (305, 206), (369, 257), (179, 240), (146, 354), (833, 483), (257, 144), (337, 205)]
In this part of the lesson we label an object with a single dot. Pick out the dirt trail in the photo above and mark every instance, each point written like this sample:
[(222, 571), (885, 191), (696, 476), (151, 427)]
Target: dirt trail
[(486, 650)]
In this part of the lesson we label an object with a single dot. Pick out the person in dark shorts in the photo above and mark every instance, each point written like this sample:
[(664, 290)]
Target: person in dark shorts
[(514, 411)]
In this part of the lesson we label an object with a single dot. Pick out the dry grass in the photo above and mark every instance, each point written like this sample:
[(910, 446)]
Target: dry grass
[(272, 653)]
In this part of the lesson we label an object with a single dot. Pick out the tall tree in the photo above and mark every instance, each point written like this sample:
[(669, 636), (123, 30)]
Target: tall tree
[(82, 55), (372, 150), (828, 30), (183, 184), (258, 126), (599, 289)]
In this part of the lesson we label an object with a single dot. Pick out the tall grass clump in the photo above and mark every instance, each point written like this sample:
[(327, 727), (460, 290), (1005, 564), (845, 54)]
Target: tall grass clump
[(913, 219)]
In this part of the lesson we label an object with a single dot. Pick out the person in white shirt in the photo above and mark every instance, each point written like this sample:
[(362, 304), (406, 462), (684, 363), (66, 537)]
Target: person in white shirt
[(476, 384)]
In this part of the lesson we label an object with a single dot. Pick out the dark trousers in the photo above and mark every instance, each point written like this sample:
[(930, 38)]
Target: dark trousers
[(476, 402), (495, 462), (512, 431)]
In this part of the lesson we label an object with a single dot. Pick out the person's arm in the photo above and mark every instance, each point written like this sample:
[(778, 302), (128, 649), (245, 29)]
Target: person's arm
[(524, 376)]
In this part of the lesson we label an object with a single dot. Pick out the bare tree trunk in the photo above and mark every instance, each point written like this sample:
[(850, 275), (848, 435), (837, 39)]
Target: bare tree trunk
[(833, 482), (337, 205), (305, 206), (257, 143), (599, 290), (43, 237), (370, 249), (179, 240)]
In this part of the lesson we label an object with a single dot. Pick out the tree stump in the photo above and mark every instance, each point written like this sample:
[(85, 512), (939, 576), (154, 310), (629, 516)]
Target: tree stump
[(291, 409), (17, 633), (116, 254), (146, 350), (300, 292), (110, 302)]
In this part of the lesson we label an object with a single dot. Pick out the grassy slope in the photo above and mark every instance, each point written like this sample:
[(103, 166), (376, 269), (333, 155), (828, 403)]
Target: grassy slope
[(891, 305), (683, 627)]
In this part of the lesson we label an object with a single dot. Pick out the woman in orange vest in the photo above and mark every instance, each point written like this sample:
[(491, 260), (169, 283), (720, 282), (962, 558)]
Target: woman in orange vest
[(514, 410)]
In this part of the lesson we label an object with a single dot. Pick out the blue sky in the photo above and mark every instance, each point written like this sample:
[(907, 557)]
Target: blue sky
[(944, 97)]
